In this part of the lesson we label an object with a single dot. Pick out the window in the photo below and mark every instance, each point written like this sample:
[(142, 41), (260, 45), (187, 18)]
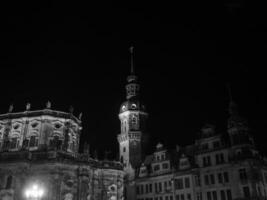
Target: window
[(14, 143), (162, 157), (33, 141), (223, 197), (226, 177), (165, 184), (165, 165), (206, 179), (205, 146), (187, 182), (209, 196), (188, 196), (177, 197), (142, 189), (220, 180), (147, 188), (243, 174), (197, 180), (229, 194), (212, 180), (166, 197), (156, 168), (160, 187), (206, 161), (124, 149), (150, 187), (216, 144), (137, 189), (199, 196), (156, 187), (171, 197), (214, 195), (246, 192), (222, 157), (179, 184), (9, 182), (182, 196)]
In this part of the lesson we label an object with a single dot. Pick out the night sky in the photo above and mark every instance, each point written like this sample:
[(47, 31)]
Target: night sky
[(77, 54)]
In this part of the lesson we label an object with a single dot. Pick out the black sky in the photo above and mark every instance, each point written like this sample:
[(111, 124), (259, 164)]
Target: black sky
[(77, 54)]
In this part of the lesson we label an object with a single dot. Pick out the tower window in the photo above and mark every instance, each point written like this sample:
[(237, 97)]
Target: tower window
[(9, 182), (124, 149)]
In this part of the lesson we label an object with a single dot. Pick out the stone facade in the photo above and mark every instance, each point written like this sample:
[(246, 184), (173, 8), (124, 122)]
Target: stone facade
[(218, 166), (41, 148)]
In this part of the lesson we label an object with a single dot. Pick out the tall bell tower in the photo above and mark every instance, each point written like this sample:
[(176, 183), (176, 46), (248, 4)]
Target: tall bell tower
[(132, 116)]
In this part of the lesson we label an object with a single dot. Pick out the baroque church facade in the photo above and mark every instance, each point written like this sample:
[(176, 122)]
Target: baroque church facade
[(39, 159), (218, 166)]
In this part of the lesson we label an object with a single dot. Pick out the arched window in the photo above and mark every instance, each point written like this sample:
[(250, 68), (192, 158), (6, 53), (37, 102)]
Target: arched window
[(9, 182), (121, 159), (14, 142), (33, 141)]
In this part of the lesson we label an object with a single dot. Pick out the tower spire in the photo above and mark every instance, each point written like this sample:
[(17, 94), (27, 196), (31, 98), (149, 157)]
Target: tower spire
[(131, 49), (232, 104)]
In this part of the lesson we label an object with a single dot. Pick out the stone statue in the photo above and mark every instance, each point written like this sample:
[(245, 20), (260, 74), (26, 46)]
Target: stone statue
[(28, 106), (48, 105), (11, 107), (80, 116)]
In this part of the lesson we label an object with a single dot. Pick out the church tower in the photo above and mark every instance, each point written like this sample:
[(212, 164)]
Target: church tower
[(132, 116)]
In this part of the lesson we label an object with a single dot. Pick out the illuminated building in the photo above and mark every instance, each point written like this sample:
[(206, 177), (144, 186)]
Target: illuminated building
[(39, 158), (218, 166)]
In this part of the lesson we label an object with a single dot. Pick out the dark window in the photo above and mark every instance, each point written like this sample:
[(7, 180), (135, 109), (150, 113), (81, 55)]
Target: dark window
[(229, 195), (209, 196), (179, 184), (208, 161), (156, 167), (150, 187), (212, 180), (147, 188), (217, 159), (142, 189), (216, 144), (165, 184), (226, 177), (187, 182), (166, 197), (199, 196), (246, 192), (197, 179), (14, 143), (165, 165), (223, 197), (171, 198), (124, 149), (156, 187), (220, 180), (188, 196), (160, 187), (182, 196), (206, 179), (177, 197), (243, 174), (137, 189), (9, 182), (214, 194), (222, 158)]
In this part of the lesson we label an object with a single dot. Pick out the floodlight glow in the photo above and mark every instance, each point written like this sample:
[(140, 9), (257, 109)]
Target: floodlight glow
[(34, 192)]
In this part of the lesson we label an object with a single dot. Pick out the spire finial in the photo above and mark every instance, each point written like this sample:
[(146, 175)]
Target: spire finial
[(232, 104), (131, 49), (10, 109)]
